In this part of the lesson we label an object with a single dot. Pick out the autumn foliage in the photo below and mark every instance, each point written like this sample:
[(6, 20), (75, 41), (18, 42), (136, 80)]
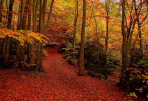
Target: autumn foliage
[(99, 38)]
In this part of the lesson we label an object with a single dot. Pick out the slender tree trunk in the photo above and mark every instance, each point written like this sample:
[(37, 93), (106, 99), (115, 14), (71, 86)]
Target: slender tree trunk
[(124, 34), (41, 30), (81, 63), (30, 47), (49, 16), (137, 11), (1, 7), (1, 16), (18, 28), (3, 49), (29, 14), (10, 14), (35, 4), (107, 32), (25, 15), (23, 27), (75, 23), (7, 44), (21, 14)]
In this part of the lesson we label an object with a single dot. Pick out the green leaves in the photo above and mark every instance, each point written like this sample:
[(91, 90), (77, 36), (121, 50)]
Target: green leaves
[(133, 94)]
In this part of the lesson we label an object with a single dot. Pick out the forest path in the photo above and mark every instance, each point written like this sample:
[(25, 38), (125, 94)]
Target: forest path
[(60, 82), (69, 86)]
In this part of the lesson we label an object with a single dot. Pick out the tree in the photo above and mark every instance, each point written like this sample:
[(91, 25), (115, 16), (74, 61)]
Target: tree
[(30, 47), (124, 54), (41, 30), (128, 26), (139, 8), (107, 29), (1, 7), (81, 62), (7, 40), (75, 23), (49, 15)]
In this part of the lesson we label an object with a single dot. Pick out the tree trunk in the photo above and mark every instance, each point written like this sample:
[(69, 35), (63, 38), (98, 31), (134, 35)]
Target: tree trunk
[(18, 28), (30, 47), (107, 32), (21, 14), (137, 12), (75, 23), (1, 7), (10, 14), (49, 15), (21, 56), (124, 53), (25, 16), (29, 14), (3, 49), (81, 63), (23, 27), (41, 30), (35, 3), (7, 45)]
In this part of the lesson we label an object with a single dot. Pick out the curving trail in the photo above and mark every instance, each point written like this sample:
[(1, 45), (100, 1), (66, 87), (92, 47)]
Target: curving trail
[(59, 83)]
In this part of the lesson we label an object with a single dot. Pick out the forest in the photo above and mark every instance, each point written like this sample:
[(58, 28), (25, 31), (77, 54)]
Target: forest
[(67, 50)]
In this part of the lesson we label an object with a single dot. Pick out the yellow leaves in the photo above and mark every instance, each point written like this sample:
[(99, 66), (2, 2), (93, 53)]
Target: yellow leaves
[(38, 36), (23, 35)]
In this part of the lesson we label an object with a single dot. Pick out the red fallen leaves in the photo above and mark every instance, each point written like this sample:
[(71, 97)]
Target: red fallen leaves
[(60, 82)]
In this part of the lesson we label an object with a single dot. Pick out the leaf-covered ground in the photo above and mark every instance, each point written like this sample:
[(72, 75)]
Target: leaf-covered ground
[(59, 82)]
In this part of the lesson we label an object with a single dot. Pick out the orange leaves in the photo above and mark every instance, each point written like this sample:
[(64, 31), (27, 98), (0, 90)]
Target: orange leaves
[(107, 17), (23, 35)]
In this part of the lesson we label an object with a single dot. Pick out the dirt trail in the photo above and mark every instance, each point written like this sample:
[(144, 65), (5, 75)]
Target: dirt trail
[(60, 82), (74, 87)]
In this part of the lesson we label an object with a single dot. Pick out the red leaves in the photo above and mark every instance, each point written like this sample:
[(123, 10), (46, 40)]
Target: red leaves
[(107, 17), (60, 82)]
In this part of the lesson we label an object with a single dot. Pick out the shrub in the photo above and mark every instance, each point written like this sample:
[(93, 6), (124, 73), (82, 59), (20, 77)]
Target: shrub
[(134, 80), (96, 60), (70, 54)]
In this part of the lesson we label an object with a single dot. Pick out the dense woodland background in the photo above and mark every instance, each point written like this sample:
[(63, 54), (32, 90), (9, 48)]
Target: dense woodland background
[(102, 36)]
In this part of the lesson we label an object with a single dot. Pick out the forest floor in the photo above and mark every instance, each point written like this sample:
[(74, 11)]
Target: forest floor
[(60, 82)]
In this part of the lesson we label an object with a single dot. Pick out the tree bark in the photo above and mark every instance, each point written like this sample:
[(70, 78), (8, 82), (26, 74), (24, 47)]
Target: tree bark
[(1, 7), (25, 15), (124, 53), (3, 49), (23, 21), (10, 14), (75, 23), (7, 44), (35, 4), (138, 11), (21, 14), (39, 49), (81, 63), (30, 47), (107, 32), (49, 16)]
